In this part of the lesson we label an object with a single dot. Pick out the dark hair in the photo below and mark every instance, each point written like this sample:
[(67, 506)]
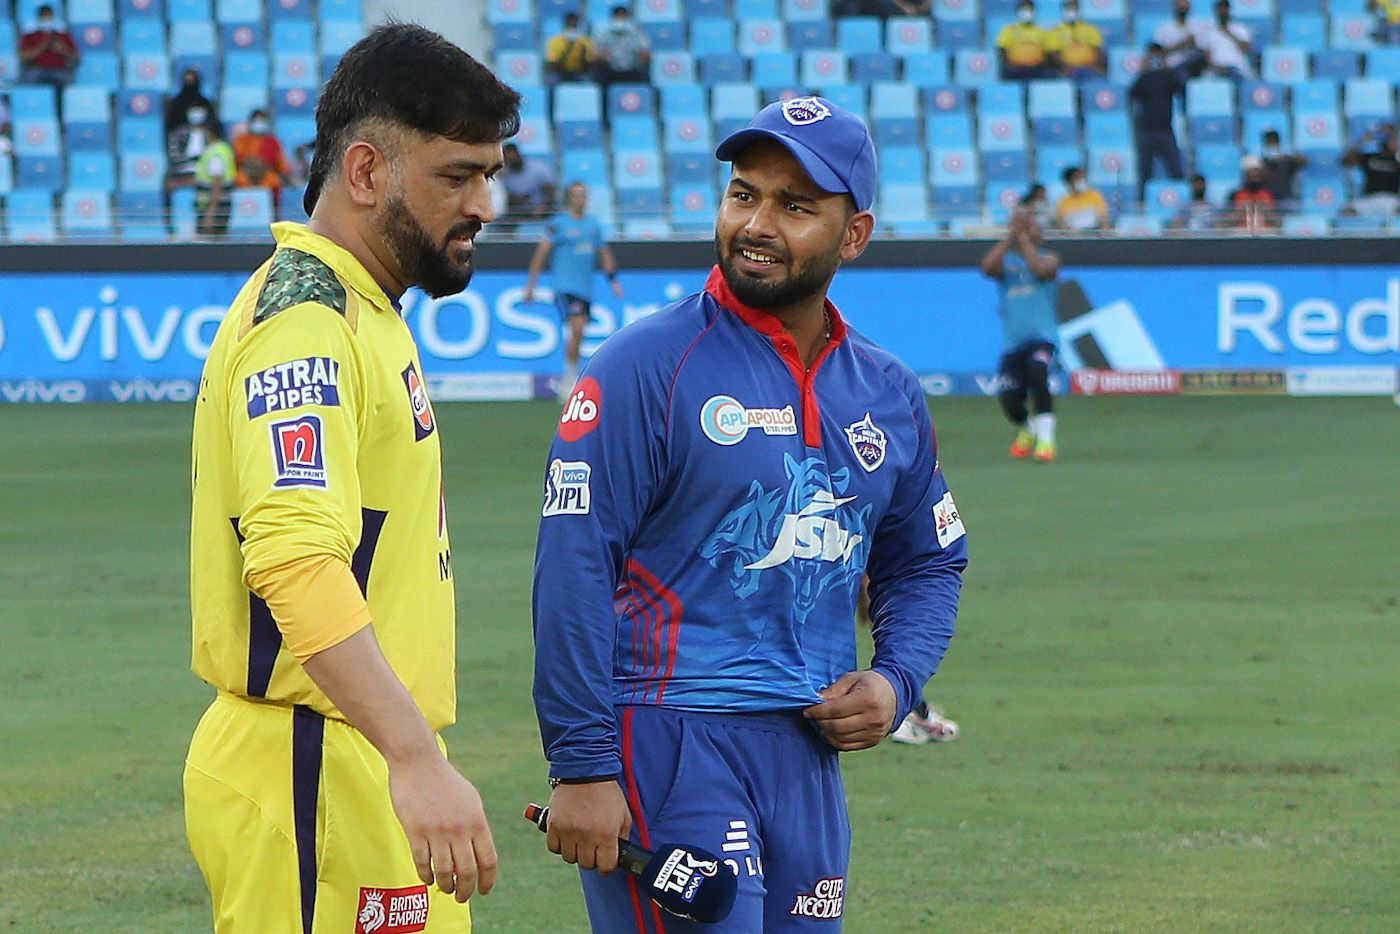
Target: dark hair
[(1272, 134), (1069, 173), (409, 77), (570, 19), (619, 9), (1154, 47), (1031, 193), (1199, 178)]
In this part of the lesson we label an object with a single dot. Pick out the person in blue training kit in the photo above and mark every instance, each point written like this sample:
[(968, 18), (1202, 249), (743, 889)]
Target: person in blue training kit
[(576, 243), (1025, 274), (723, 475)]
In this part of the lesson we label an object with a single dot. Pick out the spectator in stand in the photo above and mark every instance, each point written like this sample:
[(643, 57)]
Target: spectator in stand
[(1281, 169), (1178, 38), (1200, 214), (1076, 47), (1153, 95), (1024, 47), (623, 51), (569, 55), (177, 109), (6, 129), (185, 143), (1387, 20), (47, 53), (529, 184), (214, 174), (1082, 208), (1376, 155), (1251, 206), (262, 162), (1228, 45)]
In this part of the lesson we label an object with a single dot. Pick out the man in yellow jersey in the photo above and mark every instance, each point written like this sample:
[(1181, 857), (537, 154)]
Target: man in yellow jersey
[(318, 797), (1024, 46), (1077, 46)]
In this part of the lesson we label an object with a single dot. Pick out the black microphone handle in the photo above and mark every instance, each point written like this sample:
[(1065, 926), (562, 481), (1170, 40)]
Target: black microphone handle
[(630, 857)]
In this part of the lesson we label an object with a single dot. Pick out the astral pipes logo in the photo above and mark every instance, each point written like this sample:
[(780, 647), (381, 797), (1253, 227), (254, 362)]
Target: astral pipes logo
[(724, 421)]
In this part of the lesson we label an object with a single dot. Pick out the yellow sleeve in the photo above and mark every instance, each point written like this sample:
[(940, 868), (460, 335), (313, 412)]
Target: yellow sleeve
[(315, 602), (295, 410), (1004, 40), (1091, 36), (554, 50)]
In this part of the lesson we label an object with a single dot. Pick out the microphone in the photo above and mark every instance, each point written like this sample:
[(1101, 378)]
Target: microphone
[(686, 881)]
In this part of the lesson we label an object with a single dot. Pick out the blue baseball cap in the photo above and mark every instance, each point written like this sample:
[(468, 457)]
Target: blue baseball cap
[(832, 144)]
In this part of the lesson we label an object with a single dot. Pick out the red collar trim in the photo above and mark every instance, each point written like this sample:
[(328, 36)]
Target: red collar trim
[(764, 322)]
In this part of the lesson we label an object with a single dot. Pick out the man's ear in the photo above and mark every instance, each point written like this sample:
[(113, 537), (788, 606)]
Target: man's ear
[(859, 230), (366, 173)]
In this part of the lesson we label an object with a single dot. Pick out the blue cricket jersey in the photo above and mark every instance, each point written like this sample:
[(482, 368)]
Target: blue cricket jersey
[(574, 259), (1027, 305), (710, 508)]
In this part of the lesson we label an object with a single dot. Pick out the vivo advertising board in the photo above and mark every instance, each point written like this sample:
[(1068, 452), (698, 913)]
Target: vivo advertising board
[(144, 336)]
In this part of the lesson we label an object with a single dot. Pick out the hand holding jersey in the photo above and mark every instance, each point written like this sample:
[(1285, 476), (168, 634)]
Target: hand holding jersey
[(856, 712)]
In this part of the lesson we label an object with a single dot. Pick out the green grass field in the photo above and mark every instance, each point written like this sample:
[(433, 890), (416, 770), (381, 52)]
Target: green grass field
[(1176, 673)]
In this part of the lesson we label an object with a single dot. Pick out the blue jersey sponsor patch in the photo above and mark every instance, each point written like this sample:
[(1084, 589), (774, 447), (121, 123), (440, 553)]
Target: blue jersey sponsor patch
[(308, 381), (298, 454)]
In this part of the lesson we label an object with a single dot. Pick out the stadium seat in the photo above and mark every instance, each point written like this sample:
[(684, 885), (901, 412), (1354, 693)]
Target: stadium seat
[(1011, 166), (953, 169), (1139, 225), (238, 11), (756, 9), (292, 35), (926, 69), (1210, 111), (86, 213), (1367, 102), (243, 37), (88, 11), (894, 114), (36, 136), (672, 67), (1111, 166), (1362, 225), (951, 130), (142, 36), (810, 34), (1384, 63), (1219, 163), (93, 170), (40, 173), (251, 212), (336, 37), (536, 136), (188, 11), (686, 133), (1338, 64), (901, 165), (723, 67), (237, 101), (805, 11), (870, 67), (732, 105), (589, 166), (246, 67), (1316, 94), (667, 35), (998, 133), (974, 68), (901, 202), (696, 10), (693, 208), (128, 10), (761, 36), (1305, 225), (1284, 64), (631, 100), (142, 171), (1051, 162), (517, 66), (139, 134), (295, 70), (1318, 135), (33, 102), (182, 215), (29, 217), (684, 168), (711, 36), (9, 54), (851, 97), (94, 37), (905, 35), (819, 68), (856, 34), (1051, 108), (289, 10), (578, 114), (1351, 31), (140, 217), (1124, 64), (959, 36), (773, 69), (630, 131)]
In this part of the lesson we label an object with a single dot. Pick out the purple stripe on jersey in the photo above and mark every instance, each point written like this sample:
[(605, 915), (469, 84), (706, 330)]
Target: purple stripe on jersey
[(264, 639), (308, 730), (371, 524)]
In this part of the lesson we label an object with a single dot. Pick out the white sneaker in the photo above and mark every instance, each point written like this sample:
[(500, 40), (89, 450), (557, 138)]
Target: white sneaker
[(917, 730)]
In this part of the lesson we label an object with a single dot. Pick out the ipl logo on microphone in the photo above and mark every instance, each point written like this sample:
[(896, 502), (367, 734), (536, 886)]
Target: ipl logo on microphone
[(683, 874)]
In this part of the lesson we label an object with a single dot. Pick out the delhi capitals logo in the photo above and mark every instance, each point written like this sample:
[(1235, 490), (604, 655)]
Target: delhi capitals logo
[(810, 533), (868, 442), (801, 111)]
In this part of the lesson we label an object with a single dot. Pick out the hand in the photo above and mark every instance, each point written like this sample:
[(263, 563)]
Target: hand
[(442, 815), (585, 822), (528, 296), (856, 711), (617, 287)]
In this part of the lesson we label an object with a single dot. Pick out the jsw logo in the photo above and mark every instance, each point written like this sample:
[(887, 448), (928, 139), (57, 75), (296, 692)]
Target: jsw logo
[(811, 535)]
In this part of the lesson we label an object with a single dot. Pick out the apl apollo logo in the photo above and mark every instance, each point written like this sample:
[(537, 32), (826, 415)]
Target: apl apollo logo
[(725, 421)]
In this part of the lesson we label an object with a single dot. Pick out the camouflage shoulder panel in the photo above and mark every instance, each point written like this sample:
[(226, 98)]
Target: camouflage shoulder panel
[(294, 277)]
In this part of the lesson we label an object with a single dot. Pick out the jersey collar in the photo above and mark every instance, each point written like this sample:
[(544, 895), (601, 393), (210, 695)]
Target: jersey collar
[(765, 322), (300, 237)]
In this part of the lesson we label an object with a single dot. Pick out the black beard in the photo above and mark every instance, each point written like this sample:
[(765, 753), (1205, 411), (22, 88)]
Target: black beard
[(423, 264), (809, 280)]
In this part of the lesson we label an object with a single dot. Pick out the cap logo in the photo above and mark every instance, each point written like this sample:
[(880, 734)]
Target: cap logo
[(804, 111)]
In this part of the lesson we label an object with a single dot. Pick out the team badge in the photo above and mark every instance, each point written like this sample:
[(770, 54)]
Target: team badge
[(582, 411), (566, 489), (308, 381), (296, 448), (868, 442), (947, 521), (392, 911), (423, 423), (801, 111)]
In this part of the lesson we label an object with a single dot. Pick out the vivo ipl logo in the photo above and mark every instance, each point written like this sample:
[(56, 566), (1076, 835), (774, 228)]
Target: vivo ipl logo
[(809, 533)]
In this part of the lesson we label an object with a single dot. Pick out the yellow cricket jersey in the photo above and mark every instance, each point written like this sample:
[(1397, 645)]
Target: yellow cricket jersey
[(1391, 9), (314, 436), (1023, 43), (1078, 43)]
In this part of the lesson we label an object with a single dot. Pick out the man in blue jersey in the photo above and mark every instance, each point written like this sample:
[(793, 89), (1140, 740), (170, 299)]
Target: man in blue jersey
[(1025, 273), (723, 475), (576, 244)]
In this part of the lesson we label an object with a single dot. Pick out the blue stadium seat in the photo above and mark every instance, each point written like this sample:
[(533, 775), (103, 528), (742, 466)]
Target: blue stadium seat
[(1322, 193), (1316, 94), (696, 10), (1338, 64), (1010, 165), (1111, 166), (756, 9), (1360, 224), (803, 11), (1001, 132), (1367, 102), (245, 67), (926, 69), (281, 10), (901, 165), (1218, 163), (1210, 111), (1124, 64), (684, 99), (36, 136), (250, 213), (645, 202), (1384, 63), (870, 67), (189, 11), (516, 37), (856, 34), (902, 202), (1110, 128), (182, 216), (143, 36), (772, 69), (33, 102), (692, 168), (518, 66), (960, 36), (953, 168), (237, 101), (974, 68), (238, 11), (87, 11), (29, 216), (1052, 111), (146, 72), (721, 67), (193, 38), (292, 35), (685, 133), (1284, 64), (142, 171), (732, 105), (636, 169), (295, 70), (1306, 31), (1051, 162), (589, 166), (810, 34), (94, 37), (908, 34), (140, 217), (658, 11), (140, 9), (1305, 225), (1317, 134), (946, 99), (39, 173), (757, 36), (711, 36), (850, 97), (9, 54), (1001, 99), (818, 68), (895, 114), (1351, 31), (139, 134), (7, 177), (669, 67), (663, 34), (86, 213), (693, 208), (1000, 197), (949, 130), (578, 115), (243, 37), (87, 117), (631, 100), (536, 137)]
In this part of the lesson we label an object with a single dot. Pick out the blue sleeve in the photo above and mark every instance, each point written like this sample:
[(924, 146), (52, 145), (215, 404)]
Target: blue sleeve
[(916, 564), (599, 241), (604, 467)]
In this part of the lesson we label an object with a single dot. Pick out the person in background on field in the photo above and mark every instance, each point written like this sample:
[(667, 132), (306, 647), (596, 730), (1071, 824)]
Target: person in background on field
[(685, 611), (529, 185), (622, 49), (47, 53), (1251, 206), (1076, 47), (214, 176), (1023, 47), (1200, 214), (575, 248), (1082, 207), (1377, 154), (1025, 274), (1281, 169), (262, 163), (1153, 95), (569, 55), (318, 793), (1178, 38)]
